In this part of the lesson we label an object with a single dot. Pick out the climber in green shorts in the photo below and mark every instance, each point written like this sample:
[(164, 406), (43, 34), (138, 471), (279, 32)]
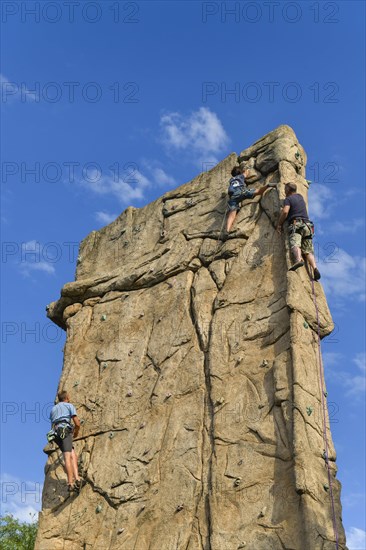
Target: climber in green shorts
[(299, 229), (300, 236)]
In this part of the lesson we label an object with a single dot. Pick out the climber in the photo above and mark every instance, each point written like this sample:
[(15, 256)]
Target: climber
[(238, 191), (299, 228), (61, 416)]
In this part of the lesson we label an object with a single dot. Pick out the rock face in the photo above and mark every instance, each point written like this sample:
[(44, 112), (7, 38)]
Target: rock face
[(194, 368)]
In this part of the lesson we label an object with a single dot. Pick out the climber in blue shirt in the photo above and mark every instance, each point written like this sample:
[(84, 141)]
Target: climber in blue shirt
[(65, 423), (238, 191)]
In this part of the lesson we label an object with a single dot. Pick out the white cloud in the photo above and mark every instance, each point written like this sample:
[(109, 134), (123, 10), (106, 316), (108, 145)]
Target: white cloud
[(11, 91), (22, 499), (132, 187), (343, 276), (162, 178), (105, 218), (352, 500), (356, 539), (34, 258), (340, 369), (345, 227), (360, 361), (332, 358), (321, 201), (201, 133), (357, 384)]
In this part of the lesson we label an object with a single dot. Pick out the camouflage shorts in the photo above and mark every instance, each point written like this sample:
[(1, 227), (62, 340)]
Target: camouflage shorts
[(300, 235)]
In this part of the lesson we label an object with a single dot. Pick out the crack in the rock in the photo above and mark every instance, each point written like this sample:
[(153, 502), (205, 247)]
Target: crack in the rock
[(209, 407)]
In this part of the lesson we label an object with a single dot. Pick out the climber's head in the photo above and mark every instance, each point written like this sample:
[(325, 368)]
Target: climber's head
[(290, 188), (63, 396), (238, 170)]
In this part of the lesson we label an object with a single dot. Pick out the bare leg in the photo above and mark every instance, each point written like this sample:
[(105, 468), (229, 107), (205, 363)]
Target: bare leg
[(69, 468), (311, 259), (74, 462), (296, 252), (230, 219)]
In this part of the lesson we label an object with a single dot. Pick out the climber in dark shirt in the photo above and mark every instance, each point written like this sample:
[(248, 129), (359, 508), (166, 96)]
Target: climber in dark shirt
[(300, 233)]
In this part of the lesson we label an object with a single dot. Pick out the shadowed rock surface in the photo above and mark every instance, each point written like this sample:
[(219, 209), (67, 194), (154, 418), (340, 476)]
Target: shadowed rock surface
[(193, 367)]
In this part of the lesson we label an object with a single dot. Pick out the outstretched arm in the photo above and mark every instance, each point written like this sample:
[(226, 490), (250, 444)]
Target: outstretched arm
[(283, 216)]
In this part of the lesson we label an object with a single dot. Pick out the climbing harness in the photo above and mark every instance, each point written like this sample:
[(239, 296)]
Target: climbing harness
[(327, 487)]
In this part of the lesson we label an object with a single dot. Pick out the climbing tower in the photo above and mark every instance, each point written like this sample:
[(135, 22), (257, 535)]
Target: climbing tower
[(195, 368)]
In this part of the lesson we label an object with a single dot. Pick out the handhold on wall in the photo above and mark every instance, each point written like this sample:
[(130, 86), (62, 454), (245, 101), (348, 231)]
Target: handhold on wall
[(325, 394), (306, 324), (103, 317), (262, 513), (130, 352), (168, 396), (237, 481), (104, 365), (76, 384), (309, 410), (142, 425), (179, 507), (120, 531), (99, 508), (141, 315), (111, 435), (129, 393), (242, 545), (220, 401), (264, 363), (326, 487)]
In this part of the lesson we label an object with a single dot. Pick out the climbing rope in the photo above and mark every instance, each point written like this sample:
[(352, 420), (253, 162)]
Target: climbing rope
[(324, 410)]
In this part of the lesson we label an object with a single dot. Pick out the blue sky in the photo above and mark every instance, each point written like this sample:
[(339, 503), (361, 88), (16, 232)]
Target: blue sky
[(107, 104)]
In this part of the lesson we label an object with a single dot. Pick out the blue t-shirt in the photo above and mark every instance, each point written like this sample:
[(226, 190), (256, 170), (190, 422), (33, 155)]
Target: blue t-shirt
[(62, 413), (237, 185)]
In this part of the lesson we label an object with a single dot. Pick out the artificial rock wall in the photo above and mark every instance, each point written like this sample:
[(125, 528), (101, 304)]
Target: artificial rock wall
[(193, 367)]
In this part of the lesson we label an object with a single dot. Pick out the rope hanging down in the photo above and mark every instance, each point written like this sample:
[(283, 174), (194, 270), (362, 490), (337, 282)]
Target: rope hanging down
[(324, 416)]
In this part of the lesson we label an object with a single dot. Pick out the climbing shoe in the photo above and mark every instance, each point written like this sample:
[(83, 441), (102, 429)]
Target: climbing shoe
[(71, 488), (316, 274), (296, 266), (77, 484)]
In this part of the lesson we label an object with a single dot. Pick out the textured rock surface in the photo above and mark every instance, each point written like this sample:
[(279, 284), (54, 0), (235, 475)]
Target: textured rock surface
[(193, 366)]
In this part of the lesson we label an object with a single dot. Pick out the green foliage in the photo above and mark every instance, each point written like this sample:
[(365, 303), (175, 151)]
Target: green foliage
[(17, 535)]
